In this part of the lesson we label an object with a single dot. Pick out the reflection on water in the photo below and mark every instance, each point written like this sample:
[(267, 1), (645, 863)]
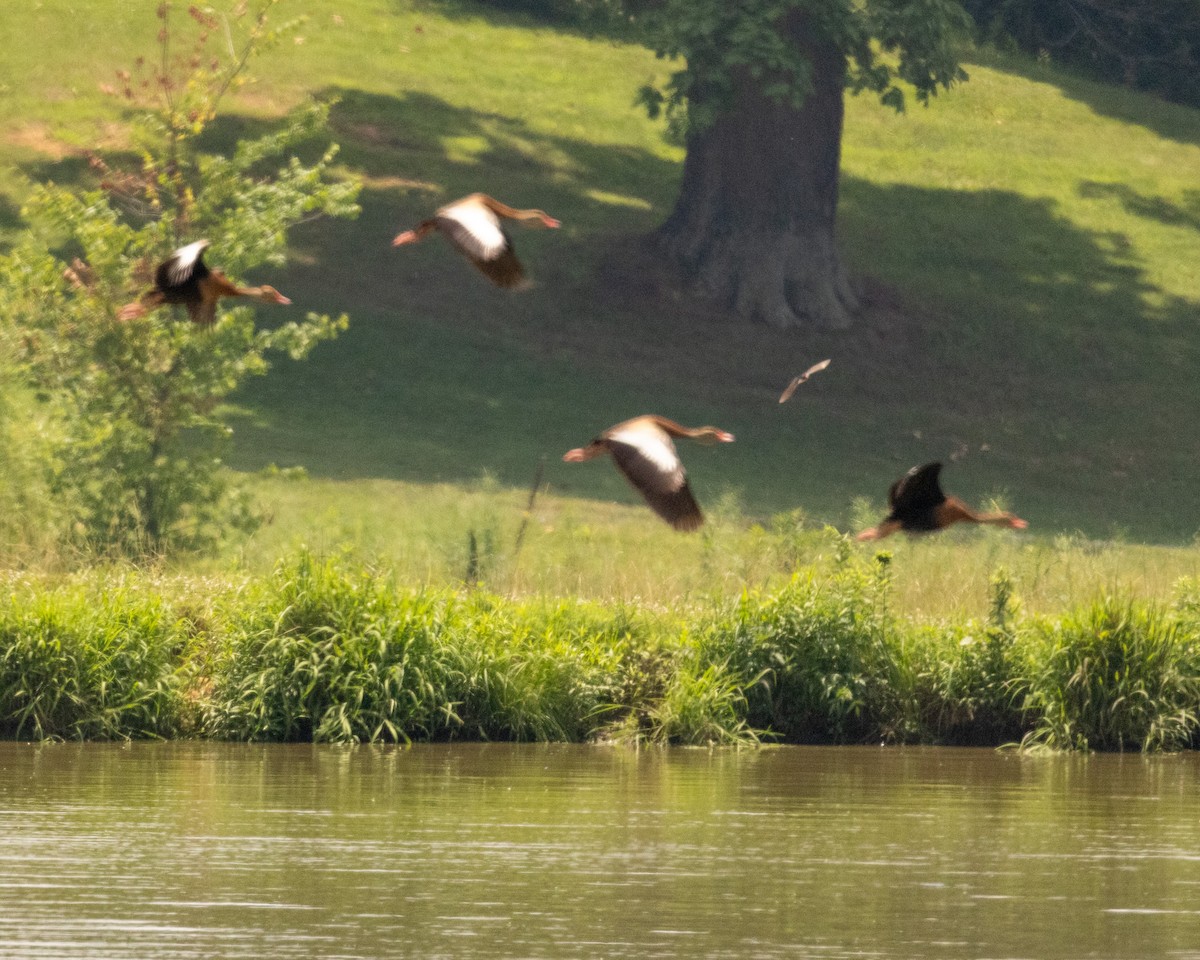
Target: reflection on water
[(220, 850)]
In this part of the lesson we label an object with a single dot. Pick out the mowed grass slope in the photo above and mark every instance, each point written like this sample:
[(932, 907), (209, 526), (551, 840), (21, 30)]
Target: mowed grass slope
[(1028, 247)]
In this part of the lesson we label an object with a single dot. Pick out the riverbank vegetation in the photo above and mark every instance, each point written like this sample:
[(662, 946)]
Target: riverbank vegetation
[(334, 649), (1027, 286)]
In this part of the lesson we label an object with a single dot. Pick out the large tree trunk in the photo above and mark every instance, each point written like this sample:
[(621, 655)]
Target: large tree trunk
[(753, 227)]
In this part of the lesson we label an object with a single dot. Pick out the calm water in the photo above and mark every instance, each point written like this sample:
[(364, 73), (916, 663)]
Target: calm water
[(218, 850)]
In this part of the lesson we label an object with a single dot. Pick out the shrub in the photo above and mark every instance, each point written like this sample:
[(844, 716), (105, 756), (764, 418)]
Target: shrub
[(132, 408), (812, 658), (332, 651), (329, 652), (703, 705), (530, 670), (1112, 677), (965, 682), (79, 664)]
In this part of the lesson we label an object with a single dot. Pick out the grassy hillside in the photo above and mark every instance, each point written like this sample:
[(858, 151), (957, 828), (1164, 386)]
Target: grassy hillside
[(1029, 246)]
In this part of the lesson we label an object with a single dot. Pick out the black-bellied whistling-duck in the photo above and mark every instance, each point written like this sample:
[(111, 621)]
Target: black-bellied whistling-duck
[(473, 225), (643, 451), (796, 381), (918, 505), (185, 278)]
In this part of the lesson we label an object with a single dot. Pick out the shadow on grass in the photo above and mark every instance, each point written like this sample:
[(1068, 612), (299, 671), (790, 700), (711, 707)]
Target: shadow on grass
[(1160, 209), (10, 222), (1030, 316), (562, 16), (997, 323), (417, 149), (423, 138), (995, 246)]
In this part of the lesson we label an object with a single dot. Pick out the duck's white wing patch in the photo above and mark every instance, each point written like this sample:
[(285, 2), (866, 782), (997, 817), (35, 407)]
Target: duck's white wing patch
[(183, 262), (647, 458), (475, 228), (653, 445)]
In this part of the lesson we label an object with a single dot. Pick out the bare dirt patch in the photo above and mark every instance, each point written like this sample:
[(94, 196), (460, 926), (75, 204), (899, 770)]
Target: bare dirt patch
[(37, 137)]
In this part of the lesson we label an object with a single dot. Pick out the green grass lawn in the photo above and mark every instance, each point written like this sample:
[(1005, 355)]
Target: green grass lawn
[(1029, 246), (577, 547)]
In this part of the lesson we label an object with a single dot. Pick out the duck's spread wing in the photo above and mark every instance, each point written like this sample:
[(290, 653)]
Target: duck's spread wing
[(202, 312), (504, 271), (478, 234), (917, 490), (183, 266), (473, 229), (791, 388), (660, 479)]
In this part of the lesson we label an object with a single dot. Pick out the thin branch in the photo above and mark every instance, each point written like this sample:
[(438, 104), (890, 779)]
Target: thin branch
[(533, 492), (165, 44), (228, 35), (247, 51)]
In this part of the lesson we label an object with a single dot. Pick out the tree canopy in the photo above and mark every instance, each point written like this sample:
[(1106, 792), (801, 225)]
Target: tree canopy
[(887, 44)]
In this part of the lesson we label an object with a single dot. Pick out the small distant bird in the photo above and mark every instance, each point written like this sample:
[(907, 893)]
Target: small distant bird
[(473, 226), (796, 381), (185, 278), (918, 505), (643, 451)]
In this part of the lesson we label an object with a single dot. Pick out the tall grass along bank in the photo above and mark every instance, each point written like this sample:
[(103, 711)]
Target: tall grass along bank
[(89, 662), (334, 649)]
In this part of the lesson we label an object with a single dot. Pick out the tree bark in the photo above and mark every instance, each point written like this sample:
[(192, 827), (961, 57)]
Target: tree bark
[(754, 225)]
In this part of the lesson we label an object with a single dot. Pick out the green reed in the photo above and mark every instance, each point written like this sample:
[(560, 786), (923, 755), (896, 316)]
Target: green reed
[(334, 649), (812, 657), (527, 670), (1116, 675), (702, 705), (88, 663), (325, 650), (961, 677), (330, 650)]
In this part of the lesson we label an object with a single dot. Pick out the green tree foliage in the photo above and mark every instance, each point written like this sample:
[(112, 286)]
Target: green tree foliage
[(1148, 44), (132, 423), (885, 43), (759, 99)]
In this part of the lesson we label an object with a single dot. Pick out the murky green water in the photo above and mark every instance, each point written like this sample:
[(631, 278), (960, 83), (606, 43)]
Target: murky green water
[(217, 850)]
